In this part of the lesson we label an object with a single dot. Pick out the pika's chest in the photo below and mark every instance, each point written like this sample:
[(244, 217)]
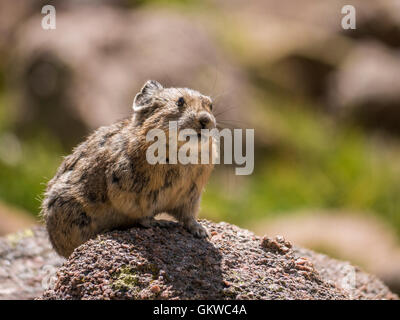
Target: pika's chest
[(176, 185)]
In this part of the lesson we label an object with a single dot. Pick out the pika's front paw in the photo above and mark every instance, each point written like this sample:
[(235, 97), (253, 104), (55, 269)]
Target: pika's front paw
[(197, 230)]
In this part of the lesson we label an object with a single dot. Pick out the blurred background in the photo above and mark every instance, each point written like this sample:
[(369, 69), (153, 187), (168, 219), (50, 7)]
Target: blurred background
[(324, 103)]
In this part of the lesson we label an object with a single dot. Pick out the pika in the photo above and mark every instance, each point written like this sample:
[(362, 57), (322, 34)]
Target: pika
[(107, 184)]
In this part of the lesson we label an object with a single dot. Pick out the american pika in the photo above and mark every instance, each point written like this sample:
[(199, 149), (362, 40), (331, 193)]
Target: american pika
[(107, 183)]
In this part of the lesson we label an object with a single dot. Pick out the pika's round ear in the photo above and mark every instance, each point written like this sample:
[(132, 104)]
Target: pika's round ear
[(151, 85), (143, 98)]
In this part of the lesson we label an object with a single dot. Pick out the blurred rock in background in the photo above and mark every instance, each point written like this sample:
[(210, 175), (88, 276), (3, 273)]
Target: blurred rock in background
[(367, 86), (92, 76), (87, 71), (13, 220), (306, 53)]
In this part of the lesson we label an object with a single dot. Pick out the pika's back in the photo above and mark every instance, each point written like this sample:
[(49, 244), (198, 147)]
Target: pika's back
[(82, 173)]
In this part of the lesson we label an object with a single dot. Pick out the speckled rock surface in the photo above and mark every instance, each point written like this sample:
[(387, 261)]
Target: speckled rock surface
[(27, 264), (169, 263)]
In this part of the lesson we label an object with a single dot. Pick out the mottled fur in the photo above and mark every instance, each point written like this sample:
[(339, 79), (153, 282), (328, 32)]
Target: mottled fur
[(106, 183)]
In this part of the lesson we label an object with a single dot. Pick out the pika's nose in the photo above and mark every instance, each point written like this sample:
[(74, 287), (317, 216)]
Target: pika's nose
[(205, 120)]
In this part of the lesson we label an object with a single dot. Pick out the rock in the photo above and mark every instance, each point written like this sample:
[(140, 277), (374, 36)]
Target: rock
[(169, 263), (358, 238), (13, 219), (367, 87), (27, 264), (297, 52), (286, 48), (278, 244), (378, 20), (12, 15)]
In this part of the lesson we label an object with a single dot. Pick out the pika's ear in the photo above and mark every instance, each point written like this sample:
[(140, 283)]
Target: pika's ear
[(144, 96)]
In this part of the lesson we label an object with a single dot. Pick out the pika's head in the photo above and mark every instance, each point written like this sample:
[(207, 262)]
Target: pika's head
[(155, 106)]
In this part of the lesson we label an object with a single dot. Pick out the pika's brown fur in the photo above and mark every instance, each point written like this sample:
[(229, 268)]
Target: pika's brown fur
[(107, 183)]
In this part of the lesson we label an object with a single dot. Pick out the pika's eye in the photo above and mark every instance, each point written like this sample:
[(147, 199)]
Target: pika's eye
[(180, 102), (211, 106)]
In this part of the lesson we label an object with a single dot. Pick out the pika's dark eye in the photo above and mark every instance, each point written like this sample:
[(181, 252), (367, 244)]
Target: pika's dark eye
[(211, 106), (180, 102)]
